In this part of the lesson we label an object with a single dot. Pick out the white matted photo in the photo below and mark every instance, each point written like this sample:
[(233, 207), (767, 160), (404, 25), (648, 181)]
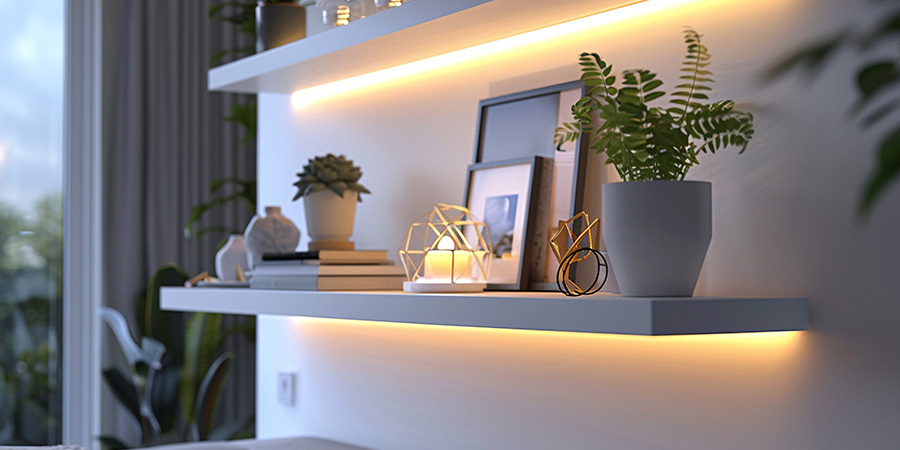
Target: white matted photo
[(500, 194)]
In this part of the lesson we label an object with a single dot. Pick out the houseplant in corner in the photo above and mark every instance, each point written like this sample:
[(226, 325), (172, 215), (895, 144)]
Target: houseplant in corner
[(330, 189), (657, 226)]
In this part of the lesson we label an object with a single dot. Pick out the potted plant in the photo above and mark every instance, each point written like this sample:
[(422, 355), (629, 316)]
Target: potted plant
[(279, 22), (657, 226), (330, 189), (270, 22)]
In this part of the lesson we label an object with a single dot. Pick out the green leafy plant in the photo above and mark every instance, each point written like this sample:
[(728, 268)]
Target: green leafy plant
[(335, 173), (878, 86), (652, 142), (176, 373), (244, 191)]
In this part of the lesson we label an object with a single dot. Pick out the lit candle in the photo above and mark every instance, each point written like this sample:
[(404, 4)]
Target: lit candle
[(445, 264)]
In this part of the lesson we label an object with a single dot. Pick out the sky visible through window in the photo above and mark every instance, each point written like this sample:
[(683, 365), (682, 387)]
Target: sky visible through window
[(31, 81)]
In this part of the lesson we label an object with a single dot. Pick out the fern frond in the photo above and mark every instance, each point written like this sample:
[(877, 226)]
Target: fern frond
[(719, 125), (568, 132), (694, 66), (654, 143)]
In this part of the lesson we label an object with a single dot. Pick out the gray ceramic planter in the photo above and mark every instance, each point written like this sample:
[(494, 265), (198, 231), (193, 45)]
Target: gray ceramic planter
[(657, 234), (278, 24)]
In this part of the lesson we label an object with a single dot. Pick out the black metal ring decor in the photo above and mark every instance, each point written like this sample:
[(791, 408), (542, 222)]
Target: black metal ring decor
[(567, 286)]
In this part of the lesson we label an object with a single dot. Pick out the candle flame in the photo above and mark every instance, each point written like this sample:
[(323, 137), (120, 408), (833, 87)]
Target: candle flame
[(446, 243)]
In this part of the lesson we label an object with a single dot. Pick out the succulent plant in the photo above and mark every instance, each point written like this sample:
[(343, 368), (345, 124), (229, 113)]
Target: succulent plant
[(336, 173)]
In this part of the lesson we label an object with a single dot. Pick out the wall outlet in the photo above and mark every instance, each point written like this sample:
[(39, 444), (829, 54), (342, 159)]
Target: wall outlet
[(286, 386)]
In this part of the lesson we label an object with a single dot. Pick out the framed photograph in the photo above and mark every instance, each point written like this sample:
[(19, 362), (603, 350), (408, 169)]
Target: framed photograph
[(502, 194), (522, 125)]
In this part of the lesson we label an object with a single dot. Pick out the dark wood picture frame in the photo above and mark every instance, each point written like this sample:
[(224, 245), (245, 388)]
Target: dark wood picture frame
[(524, 223)]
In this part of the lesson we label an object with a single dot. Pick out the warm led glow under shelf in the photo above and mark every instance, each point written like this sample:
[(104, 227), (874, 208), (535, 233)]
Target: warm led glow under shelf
[(754, 340), (566, 29)]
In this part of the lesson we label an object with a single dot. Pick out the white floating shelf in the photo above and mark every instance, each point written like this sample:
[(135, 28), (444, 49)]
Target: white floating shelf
[(419, 29), (600, 313)]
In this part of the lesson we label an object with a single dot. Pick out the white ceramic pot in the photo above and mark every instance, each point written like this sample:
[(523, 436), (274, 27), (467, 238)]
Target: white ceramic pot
[(657, 234), (329, 217), (231, 255), (272, 233)]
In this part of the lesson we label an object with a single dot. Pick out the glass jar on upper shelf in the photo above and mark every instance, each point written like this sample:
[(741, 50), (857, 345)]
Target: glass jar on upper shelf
[(342, 12), (381, 5)]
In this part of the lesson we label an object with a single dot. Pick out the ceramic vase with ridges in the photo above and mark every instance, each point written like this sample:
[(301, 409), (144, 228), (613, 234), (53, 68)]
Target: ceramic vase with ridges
[(657, 234), (272, 233)]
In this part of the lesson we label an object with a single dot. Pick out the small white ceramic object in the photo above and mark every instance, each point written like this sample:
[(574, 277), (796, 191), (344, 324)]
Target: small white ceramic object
[(272, 233), (230, 256)]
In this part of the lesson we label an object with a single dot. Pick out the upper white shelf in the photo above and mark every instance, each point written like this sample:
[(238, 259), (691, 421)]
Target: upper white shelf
[(419, 29), (597, 313)]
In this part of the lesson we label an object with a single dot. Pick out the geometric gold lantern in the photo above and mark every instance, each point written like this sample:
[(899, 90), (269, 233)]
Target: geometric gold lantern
[(446, 250)]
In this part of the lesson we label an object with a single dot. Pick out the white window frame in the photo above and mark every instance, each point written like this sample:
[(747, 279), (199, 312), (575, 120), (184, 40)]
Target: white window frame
[(82, 224)]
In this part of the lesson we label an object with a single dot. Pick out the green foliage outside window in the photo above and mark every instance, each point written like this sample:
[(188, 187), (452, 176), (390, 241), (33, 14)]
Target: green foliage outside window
[(30, 286)]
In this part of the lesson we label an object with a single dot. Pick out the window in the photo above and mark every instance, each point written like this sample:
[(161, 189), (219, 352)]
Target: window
[(31, 176)]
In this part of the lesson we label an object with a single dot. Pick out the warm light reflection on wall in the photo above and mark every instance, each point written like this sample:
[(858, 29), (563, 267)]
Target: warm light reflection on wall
[(734, 341), (563, 30), (769, 364)]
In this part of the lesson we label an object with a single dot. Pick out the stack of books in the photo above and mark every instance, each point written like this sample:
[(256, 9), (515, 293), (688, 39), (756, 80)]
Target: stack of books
[(328, 270)]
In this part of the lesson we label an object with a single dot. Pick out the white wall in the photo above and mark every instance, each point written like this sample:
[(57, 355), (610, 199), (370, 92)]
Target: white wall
[(785, 224)]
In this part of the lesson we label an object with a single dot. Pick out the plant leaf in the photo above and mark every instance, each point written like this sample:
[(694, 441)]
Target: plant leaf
[(164, 396), (888, 167), (124, 390), (201, 338), (157, 323), (112, 443), (876, 76), (209, 394)]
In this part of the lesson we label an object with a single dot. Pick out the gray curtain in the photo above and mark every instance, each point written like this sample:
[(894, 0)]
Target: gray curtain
[(165, 141)]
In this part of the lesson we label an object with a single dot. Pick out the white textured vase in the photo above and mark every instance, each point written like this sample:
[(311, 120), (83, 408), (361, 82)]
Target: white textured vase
[(272, 233), (230, 256), (329, 217), (657, 234)]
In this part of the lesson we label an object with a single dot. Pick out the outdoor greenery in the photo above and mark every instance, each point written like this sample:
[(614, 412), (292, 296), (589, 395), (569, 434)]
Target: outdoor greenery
[(877, 84), (335, 173), (30, 286), (177, 370), (653, 142)]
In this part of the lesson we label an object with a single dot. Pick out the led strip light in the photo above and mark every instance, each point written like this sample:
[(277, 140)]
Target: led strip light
[(630, 12)]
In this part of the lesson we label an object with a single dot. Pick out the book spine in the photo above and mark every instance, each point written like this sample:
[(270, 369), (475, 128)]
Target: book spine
[(327, 270), (297, 283), (290, 256), (328, 283)]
